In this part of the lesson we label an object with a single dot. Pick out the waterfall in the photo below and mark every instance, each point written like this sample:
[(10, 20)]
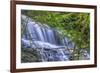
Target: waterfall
[(45, 39)]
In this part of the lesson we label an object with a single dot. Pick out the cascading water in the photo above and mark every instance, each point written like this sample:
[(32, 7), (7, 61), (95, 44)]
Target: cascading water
[(45, 39)]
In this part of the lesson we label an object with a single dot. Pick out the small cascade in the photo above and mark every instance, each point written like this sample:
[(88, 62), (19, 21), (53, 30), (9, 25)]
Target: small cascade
[(46, 40)]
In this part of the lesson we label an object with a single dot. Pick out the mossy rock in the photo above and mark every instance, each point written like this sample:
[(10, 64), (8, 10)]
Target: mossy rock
[(29, 55)]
